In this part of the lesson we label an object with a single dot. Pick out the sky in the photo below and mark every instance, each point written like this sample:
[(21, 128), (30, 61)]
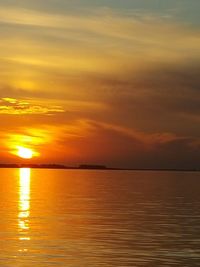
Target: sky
[(101, 82)]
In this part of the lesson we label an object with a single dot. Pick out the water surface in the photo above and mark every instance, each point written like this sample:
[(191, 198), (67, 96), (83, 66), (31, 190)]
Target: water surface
[(99, 218)]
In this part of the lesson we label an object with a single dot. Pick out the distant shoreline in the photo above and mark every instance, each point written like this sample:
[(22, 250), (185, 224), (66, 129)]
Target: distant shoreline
[(87, 167)]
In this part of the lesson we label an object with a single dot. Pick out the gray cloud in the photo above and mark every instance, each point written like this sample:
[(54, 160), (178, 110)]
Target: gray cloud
[(165, 98)]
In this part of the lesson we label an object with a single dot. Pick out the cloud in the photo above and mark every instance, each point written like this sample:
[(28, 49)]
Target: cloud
[(101, 27), (13, 106), (88, 54), (67, 49)]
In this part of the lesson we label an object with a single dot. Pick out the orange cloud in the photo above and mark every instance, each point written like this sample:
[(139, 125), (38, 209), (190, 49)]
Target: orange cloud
[(18, 107)]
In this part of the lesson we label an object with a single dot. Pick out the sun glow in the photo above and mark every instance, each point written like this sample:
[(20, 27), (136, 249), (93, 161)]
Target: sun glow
[(25, 153)]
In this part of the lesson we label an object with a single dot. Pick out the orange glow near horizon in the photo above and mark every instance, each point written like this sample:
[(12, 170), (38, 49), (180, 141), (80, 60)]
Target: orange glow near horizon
[(26, 145)]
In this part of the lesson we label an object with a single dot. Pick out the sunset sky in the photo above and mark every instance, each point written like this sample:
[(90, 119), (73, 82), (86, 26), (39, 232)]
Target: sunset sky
[(102, 82)]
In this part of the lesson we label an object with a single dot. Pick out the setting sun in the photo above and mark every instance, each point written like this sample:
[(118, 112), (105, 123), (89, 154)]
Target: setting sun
[(25, 153)]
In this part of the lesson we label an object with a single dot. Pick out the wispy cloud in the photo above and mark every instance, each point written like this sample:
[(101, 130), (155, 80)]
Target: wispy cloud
[(97, 42)]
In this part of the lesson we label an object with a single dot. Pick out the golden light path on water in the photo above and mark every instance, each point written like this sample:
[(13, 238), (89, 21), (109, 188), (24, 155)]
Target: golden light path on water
[(24, 204)]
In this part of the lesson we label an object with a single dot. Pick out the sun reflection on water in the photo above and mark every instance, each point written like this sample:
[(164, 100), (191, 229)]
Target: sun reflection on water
[(24, 203)]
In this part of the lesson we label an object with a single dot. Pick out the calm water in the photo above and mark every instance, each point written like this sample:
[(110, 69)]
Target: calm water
[(99, 218)]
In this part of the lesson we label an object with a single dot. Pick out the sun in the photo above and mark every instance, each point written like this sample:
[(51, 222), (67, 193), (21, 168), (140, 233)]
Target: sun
[(25, 153)]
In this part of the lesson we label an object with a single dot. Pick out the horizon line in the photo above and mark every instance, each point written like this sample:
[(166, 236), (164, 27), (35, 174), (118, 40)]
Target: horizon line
[(88, 167)]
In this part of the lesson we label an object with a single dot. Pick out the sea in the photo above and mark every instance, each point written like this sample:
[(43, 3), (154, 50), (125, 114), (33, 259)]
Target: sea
[(99, 218)]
